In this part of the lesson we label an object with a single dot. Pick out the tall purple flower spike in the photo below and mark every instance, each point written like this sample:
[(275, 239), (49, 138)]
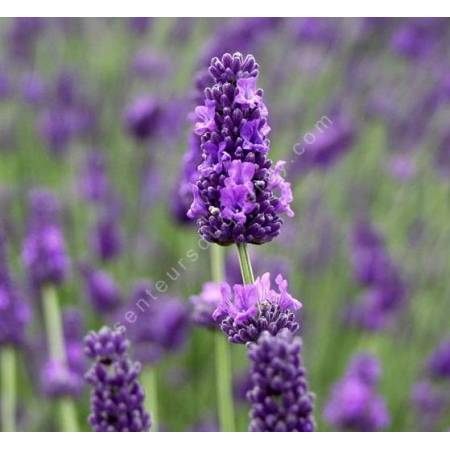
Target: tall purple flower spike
[(248, 310), (238, 196), (280, 396), (117, 398)]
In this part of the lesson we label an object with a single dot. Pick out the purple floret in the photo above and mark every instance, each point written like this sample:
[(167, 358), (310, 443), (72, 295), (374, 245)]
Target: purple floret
[(248, 310)]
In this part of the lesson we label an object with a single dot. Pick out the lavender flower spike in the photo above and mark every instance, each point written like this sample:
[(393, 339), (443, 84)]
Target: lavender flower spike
[(44, 251), (117, 398), (354, 404), (238, 196), (280, 397), (249, 309)]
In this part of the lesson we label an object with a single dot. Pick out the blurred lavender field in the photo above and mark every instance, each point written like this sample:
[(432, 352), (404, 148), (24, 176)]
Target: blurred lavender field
[(95, 140)]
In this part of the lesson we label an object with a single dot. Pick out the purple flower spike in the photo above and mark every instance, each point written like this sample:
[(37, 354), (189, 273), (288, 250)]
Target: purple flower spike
[(238, 195), (247, 310), (101, 290), (439, 361), (44, 252), (354, 403), (117, 398), (142, 117), (280, 397)]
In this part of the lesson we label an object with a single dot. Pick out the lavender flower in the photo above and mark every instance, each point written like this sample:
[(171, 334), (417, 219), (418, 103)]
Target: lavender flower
[(205, 303), (354, 403), (239, 195), (44, 252), (439, 361), (280, 397), (101, 289), (249, 309), (331, 141), (106, 238), (14, 312), (94, 184), (429, 404), (141, 118), (374, 269), (117, 397), (161, 324), (73, 327)]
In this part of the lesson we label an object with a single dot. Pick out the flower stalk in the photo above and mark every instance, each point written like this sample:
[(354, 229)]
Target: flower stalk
[(150, 383), (245, 264), (8, 389), (222, 355), (56, 348)]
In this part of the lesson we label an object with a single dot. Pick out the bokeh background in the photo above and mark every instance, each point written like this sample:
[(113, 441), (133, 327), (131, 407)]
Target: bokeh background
[(97, 111)]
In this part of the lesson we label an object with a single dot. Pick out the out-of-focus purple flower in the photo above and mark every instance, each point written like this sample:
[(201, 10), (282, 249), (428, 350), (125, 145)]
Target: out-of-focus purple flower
[(106, 238), (317, 30), (148, 65), (439, 361), (249, 309), (22, 36), (205, 303), (142, 117), (55, 128), (93, 181), (370, 261), (14, 312), (140, 25), (101, 290), (73, 328), (402, 167), (280, 396), (429, 404), (322, 147), (238, 196), (44, 251), (59, 381), (160, 323), (117, 398), (374, 269), (417, 37), (238, 33), (354, 404), (34, 89)]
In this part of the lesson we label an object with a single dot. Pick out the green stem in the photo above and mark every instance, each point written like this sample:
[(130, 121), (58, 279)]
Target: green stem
[(57, 351), (222, 355), (246, 265), (150, 382), (8, 390)]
